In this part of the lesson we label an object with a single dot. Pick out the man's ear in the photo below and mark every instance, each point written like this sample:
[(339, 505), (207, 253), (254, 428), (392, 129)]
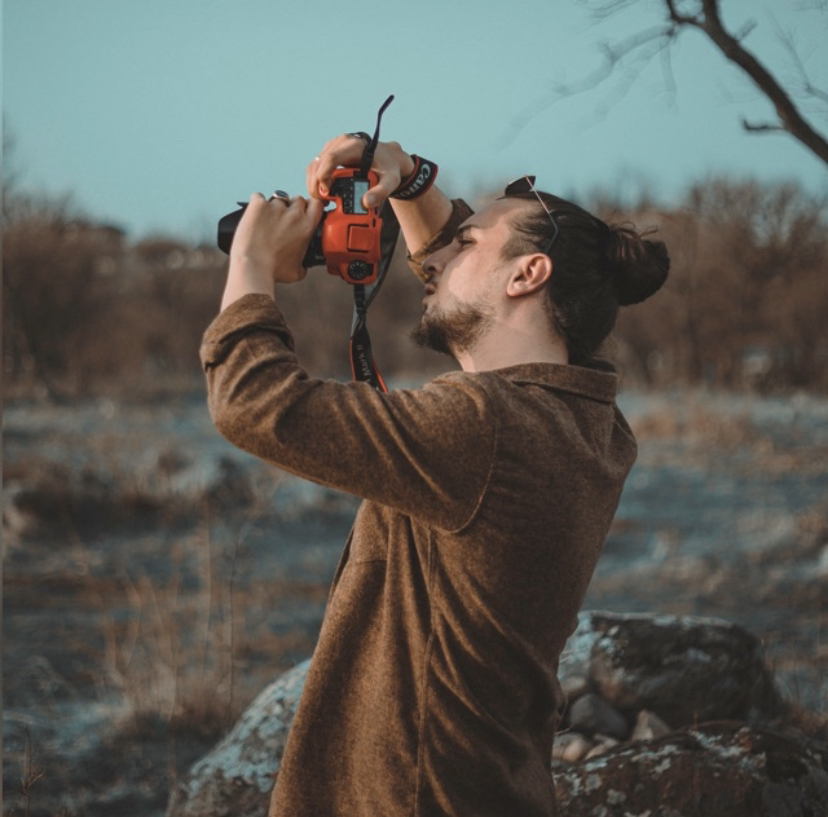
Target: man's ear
[(531, 274)]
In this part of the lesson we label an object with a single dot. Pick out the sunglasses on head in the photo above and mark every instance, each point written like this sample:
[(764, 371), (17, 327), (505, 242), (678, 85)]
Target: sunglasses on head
[(526, 184)]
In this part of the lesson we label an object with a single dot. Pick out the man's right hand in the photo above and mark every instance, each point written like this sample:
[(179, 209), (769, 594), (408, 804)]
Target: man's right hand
[(391, 163)]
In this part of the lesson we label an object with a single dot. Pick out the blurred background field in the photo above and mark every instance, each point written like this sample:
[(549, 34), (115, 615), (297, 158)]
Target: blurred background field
[(154, 578)]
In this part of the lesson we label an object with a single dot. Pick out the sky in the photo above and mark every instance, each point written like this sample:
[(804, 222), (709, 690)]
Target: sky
[(158, 115)]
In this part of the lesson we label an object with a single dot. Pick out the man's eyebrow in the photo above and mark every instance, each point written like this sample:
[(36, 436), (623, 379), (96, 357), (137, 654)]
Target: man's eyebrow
[(463, 229)]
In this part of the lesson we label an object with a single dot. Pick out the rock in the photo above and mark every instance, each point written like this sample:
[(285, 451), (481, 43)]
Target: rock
[(577, 654), (716, 769), (574, 686), (591, 715), (604, 743), (684, 669), (571, 747), (674, 668), (648, 726), (236, 778)]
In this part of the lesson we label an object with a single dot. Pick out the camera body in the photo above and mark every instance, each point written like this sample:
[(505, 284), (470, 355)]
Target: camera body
[(347, 240), (350, 240)]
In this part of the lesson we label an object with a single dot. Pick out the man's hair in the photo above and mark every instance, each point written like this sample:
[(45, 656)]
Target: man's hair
[(596, 268)]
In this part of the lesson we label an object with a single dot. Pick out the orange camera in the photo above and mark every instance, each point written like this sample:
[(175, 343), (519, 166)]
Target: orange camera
[(353, 241), (350, 234), (348, 240)]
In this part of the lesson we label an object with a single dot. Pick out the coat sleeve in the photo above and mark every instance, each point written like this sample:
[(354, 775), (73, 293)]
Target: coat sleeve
[(425, 452)]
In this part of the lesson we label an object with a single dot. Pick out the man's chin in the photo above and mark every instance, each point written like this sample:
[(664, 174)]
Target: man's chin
[(451, 334), (427, 335)]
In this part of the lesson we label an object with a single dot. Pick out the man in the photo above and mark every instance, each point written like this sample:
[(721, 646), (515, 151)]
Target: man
[(488, 492)]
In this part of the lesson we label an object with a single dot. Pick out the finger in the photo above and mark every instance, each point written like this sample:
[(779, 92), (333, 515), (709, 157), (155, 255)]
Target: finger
[(297, 204), (328, 162), (310, 210), (312, 178), (314, 210), (378, 194), (344, 151)]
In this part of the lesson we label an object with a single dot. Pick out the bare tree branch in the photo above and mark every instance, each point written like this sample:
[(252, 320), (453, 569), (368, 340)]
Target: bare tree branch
[(752, 126), (807, 87), (630, 56), (790, 118)]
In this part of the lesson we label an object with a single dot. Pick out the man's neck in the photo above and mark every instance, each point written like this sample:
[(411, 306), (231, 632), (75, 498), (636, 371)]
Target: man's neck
[(499, 349)]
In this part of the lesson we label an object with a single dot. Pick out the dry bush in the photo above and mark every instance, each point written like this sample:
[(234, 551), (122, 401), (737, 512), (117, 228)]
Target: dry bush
[(744, 307), (194, 650), (172, 657), (745, 302), (153, 332), (52, 290)]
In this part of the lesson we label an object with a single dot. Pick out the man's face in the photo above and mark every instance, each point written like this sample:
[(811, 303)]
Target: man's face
[(466, 279)]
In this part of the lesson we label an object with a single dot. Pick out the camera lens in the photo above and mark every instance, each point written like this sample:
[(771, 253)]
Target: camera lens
[(358, 270)]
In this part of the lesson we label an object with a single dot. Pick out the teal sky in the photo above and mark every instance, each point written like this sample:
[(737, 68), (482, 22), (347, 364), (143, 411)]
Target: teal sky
[(158, 115)]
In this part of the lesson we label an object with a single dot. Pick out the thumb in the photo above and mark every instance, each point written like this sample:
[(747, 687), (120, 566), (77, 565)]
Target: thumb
[(388, 183)]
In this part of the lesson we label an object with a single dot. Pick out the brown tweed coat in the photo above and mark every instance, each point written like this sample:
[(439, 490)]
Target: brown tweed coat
[(432, 689)]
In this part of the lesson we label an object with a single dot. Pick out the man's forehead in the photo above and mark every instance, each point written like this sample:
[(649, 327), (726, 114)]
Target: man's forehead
[(492, 214)]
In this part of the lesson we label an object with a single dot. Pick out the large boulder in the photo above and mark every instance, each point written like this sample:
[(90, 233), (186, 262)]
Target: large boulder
[(684, 669), (655, 674), (714, 770)]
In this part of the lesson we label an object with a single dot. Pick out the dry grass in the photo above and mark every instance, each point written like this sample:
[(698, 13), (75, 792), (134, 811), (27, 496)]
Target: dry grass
[(194, 650), (171, 656)]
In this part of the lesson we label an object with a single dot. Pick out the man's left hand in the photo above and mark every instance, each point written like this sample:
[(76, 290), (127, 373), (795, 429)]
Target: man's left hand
[(270, 244)]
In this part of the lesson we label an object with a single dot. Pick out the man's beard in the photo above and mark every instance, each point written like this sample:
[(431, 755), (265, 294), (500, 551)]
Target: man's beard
[(452, 333)]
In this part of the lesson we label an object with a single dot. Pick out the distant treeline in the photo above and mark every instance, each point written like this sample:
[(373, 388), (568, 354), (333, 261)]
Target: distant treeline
[(87, 312)]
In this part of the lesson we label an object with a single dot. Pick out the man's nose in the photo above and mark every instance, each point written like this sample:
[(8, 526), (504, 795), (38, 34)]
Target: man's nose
[(433, 264)]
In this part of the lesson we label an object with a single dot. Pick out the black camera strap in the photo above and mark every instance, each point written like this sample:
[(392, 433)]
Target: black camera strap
[(363, 367), (368, 152)]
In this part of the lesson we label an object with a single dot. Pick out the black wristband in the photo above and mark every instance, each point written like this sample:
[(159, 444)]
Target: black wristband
[(418, 181)]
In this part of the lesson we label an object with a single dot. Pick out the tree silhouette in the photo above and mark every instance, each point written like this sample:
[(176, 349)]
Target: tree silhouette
[(704, 15), (623, 61)]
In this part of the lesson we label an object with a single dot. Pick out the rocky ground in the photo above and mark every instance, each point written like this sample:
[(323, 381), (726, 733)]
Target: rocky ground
[(155, 579)]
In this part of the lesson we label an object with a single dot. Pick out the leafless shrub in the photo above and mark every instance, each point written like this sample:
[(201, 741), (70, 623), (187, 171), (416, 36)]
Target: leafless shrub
[(742, 306), (173, 657), (87, 313), (52, 293)]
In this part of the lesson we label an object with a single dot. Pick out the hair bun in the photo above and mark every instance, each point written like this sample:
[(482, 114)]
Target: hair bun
[(639, 266)]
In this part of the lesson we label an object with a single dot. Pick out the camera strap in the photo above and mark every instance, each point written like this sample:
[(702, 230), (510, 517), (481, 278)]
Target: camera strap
[(362, 360), (363, 367)]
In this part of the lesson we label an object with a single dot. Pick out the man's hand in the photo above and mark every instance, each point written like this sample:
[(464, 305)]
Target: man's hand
[(421, 218), (269, 245), (391, 163)]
